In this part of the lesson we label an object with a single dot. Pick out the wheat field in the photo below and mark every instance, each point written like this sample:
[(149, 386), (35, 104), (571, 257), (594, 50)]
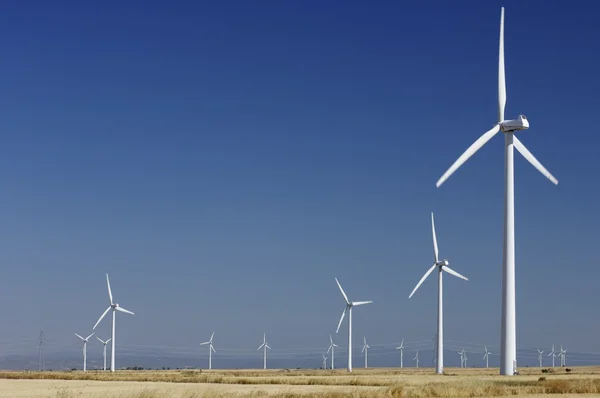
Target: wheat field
[(362, 383)]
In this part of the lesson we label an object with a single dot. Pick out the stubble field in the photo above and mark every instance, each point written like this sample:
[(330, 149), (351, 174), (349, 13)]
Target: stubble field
[(362, 383)]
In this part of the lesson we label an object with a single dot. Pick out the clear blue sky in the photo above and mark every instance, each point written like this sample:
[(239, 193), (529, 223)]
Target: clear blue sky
[(224, 161)]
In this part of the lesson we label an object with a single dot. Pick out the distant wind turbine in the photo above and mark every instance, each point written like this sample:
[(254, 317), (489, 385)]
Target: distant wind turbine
[(465, 356), (332, 349), (211, 349), (84, 350), (365, 349), (508, 339), (264, 346), (462, 358), (552, 354), (441, 265), (562, 354), (114, 307), (348, 308), (401, 348), (104, 349), (324, 362), (486, 357), (416, 358), (540, 356)]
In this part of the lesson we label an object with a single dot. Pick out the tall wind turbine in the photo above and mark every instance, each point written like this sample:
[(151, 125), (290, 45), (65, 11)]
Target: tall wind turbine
[(486, 357), (508, 343), (324, 362), (105, 343), (211, 349), (465, 357), (332, 349), (401, 348), (552, 354), (416, 358), (540, 356), (562, 355), (365, 349), (114, 307), (441, 265), (264, 346), (462, 358), (84, 350), (348, 308)]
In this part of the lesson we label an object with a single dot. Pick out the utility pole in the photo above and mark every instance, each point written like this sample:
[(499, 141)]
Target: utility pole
[(41, 348)]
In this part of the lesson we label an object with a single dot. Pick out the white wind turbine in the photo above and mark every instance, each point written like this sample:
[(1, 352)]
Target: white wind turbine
[(552, 354), (348, 308), (211, 349), (562, 355), (441, 265), (84, 350), (486, 357), (540, 352), (401, 348), (332, 349), (114, 307), (416, 358), (508, 344), (465, 357), (324, 362), (104, 343), (365, 349), (462, 358), (264, 346)]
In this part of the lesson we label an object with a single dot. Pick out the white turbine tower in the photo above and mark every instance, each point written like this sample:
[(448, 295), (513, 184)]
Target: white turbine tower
[(552, 354), (508, 343), (462, 358), (416, 358), (264, 346), (562, 355), (324, 362), (441, 265), (211, 349), (365, 349), (465, 357), (348, 308), (332, 349), (540, 356), (401, 348), (114, 307), (486, 357), (84, 350), (104, 350)]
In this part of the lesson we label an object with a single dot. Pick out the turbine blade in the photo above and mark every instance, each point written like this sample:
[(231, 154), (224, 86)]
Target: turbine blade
[(331, 339), (363, 349), (342, 290), (268, 347), (501, 76), (531, 159), (206, 342), (79, 336), (341, 319), (101, 316), (211, 336), (452, 272), (355, 303), (468, 153), (100, 340), (261, 346), (109, 292), (90, 336), (124, 310), (108, 340), (435, 245), (423, 279), (329, 349), (213, 348)]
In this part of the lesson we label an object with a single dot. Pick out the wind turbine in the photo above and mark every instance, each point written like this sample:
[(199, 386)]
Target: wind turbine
[(365, 349), (465, 357), (105, 343), (84, 350), (211, 349), (115, 307), (462, 358), (348, 308), (416, 358), (332, 349), (324, 362), (264, 346), (441, 265), (540, 356), (401, 348), (508, 342), (562, 355), (552, 354), (486, 357)]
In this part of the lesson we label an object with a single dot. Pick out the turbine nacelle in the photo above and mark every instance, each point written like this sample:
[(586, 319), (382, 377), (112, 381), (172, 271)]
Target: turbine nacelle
[(442, 263), (520, 123)]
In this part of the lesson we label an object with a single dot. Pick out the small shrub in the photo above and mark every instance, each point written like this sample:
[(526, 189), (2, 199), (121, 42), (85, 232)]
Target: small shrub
[(568, 370), (542, 378)]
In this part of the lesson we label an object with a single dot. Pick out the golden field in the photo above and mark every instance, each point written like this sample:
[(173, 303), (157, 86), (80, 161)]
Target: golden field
[(362, 383)]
